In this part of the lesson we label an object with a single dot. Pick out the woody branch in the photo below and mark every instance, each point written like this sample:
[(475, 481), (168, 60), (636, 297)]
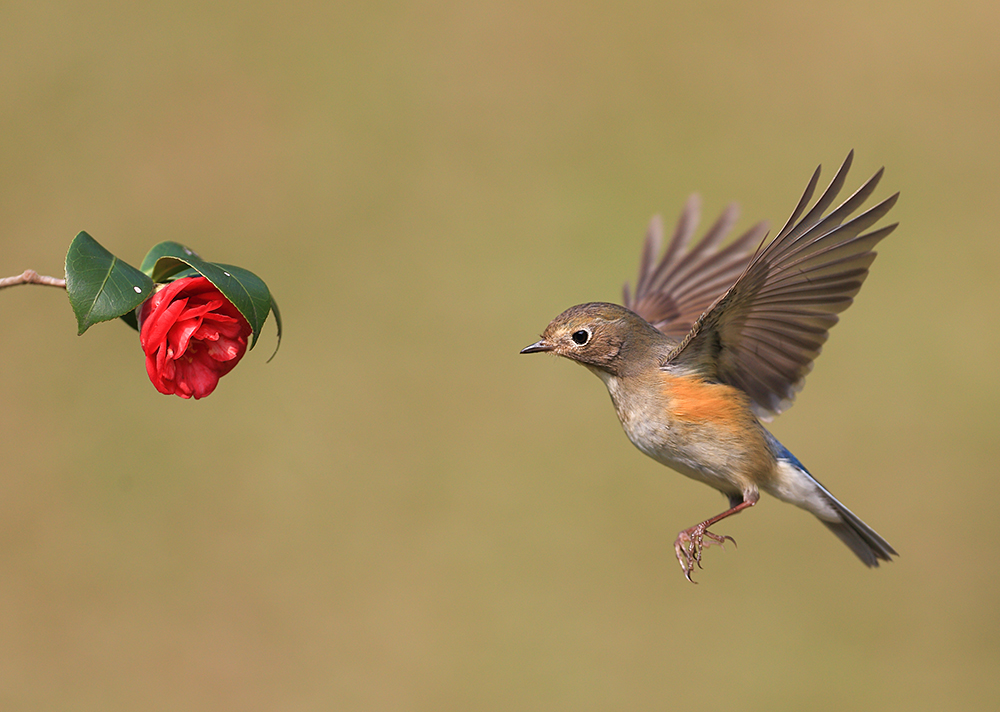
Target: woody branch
[(30, 276)]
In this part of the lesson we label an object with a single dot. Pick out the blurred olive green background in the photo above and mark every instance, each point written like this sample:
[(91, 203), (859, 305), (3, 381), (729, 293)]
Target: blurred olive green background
[(401, 513)]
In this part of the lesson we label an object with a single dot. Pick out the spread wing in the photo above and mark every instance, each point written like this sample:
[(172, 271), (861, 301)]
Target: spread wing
[(672, 293), (763, 335)]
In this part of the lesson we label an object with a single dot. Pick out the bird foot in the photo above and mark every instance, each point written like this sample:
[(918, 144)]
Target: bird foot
[(690, 543)]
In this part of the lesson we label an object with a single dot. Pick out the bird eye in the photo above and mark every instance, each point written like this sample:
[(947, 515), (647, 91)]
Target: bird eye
[(581, 337)]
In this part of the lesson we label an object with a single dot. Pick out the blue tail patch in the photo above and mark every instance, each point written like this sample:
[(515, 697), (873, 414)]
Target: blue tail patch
[(783, 453)]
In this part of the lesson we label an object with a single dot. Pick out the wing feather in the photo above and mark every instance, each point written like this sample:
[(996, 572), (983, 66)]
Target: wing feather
[(764, 333), (673, 292)]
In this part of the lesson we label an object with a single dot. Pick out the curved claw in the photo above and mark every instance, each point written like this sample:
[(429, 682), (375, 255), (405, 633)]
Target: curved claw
[(691, 542)]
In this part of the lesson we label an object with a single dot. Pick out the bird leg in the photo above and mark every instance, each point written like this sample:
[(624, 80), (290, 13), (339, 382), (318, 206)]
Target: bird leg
[(690, 542)]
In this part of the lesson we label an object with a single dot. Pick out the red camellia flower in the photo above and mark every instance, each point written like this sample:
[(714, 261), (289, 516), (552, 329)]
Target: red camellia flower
[(192, 336)]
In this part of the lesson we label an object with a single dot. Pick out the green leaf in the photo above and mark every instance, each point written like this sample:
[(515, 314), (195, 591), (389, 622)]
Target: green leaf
[(243, 288), (277, 322), (161, 262), (130, 319), (100, 286)]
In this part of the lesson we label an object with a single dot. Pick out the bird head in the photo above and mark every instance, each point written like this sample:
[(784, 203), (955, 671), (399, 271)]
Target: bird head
[(602, 337)]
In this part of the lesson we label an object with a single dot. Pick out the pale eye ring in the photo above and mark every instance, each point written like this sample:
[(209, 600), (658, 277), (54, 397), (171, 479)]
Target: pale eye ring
[(580, 337)]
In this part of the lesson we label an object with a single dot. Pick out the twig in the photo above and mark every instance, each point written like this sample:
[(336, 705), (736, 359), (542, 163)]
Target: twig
[(30, 276)]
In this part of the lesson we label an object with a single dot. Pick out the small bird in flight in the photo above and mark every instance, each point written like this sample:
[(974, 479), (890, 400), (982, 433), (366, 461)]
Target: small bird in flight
[(714, 340)]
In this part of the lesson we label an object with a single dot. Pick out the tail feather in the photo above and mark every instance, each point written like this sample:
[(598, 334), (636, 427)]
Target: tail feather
[(796, 485), (859, 537)]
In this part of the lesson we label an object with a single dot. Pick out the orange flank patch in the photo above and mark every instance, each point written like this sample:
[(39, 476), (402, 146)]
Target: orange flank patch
[(696, 401)]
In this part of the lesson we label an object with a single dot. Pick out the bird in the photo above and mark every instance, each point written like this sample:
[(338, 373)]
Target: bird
[(715, 341)]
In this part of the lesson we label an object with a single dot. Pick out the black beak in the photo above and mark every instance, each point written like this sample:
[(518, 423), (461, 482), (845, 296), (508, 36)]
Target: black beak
[(537, 347)]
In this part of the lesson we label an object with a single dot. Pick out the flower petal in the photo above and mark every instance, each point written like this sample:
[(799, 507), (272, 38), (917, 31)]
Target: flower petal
[(192, 336)]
